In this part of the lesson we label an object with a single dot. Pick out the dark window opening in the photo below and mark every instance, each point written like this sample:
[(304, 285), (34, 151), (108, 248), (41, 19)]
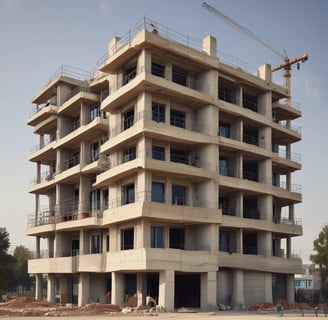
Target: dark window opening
[(224, 242), (180, 156), (179, 76), (128, 194), (158, 153), (95, 244), (75, 247), (127, 239), (177, 118), (179, 195), (177, 238), (129, 74), (187, 290), (223, 167), (250, 102), (250, 136), (128, 119), (157, 192), (95, 151), (224, 129), (250, 171), (157, 70), (158, 112), (250, 210), (130, 284), (94, 200), (129, 154), (250, 243), (156, 237)]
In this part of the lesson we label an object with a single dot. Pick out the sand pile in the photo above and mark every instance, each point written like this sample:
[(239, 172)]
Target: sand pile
[(97, 308), (25, 303)]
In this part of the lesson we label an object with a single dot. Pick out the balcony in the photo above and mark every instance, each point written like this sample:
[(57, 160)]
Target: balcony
[(43, 112)]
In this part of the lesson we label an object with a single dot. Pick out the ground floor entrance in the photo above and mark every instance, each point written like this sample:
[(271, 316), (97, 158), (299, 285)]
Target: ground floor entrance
[(187, 290)]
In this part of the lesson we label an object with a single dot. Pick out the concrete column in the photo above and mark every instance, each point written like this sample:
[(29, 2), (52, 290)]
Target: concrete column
[(265, 171), (238, 288), (290, 288), (208, 294), (268, 287), (239, 204), (84, 114), (84, 242), (265, 207), (51, 288), (166, 289), (38, 172), (209, 46), (264, 72), (239, 241), (84, 288), (264, 243), (291, 215), (37, 245), (38, 286), (51, 246), (117, 288), (141, 294)]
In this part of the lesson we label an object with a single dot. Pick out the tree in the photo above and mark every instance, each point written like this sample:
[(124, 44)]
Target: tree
[(21, 279), (6, 260), (320, 245)]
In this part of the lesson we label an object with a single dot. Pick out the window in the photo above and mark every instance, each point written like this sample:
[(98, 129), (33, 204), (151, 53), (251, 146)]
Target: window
[(107, 243), (75, 247), (178, 195), (224, 129), (129, 74), (224, 205), (250, 208), (94, 200), (250, 102), (156, 237), (224, 242), (95, 151), (223, 167), (128, 193), (158, 112), (177, 118), (128, 119), (180, 156), (95, 243), (177, 238), (157, 70), (129, 154), (94, 112), (105, 198), (157, 192), (74, 160), (127, 239), (158, 153), (179, 76)]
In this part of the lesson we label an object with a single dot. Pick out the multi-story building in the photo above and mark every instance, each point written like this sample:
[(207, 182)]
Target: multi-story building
[(168, 173)]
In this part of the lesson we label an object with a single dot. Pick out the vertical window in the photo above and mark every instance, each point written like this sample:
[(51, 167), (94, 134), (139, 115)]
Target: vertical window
[(94, 200), (128, 193), (107, 243), (156, 237), (177, 238), (105, 198), (157, 70), (158, 112), (223, 167), (76, 199), (127, 239), (129, 74), (128, 119), (95, 243), (179, 76), (224, 242), (224, 129), (129, 154), (224, 205), (95, 151), (157, 192), (94, 113), (158, 153), (180, 156), (179, 195), (177, 118)]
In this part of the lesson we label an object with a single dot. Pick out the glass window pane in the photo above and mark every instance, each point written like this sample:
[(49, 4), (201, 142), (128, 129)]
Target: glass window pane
[(157, 192)]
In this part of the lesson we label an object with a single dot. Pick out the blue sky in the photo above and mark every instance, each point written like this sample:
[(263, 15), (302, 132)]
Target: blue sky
[(38, 36)]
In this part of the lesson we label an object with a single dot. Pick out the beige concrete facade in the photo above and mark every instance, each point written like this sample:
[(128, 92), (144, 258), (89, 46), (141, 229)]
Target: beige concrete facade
[(166, 173)]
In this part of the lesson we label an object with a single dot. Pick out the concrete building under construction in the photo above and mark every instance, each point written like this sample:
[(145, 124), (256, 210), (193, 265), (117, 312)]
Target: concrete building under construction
[(166, 173)]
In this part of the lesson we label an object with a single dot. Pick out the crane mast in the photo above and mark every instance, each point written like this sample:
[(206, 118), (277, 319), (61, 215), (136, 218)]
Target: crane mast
[(286, 65)]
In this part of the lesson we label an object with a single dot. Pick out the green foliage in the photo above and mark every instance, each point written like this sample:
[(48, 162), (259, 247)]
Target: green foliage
[(21, 277), (320, 245), (6, 260)]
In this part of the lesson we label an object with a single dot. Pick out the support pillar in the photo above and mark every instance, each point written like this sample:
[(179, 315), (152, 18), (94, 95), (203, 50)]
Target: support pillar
[(166, 289), (238, 297), (290, 288), (117, 288), (84, 288), (141, 292), (38, 286), (51, 288), (268, 287), (208, 297)]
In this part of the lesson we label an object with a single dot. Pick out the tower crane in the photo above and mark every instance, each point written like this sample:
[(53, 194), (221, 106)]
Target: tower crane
[(286, 65)]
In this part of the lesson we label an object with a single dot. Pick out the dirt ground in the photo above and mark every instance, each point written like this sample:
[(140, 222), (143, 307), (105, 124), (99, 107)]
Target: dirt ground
[(18, 307)]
